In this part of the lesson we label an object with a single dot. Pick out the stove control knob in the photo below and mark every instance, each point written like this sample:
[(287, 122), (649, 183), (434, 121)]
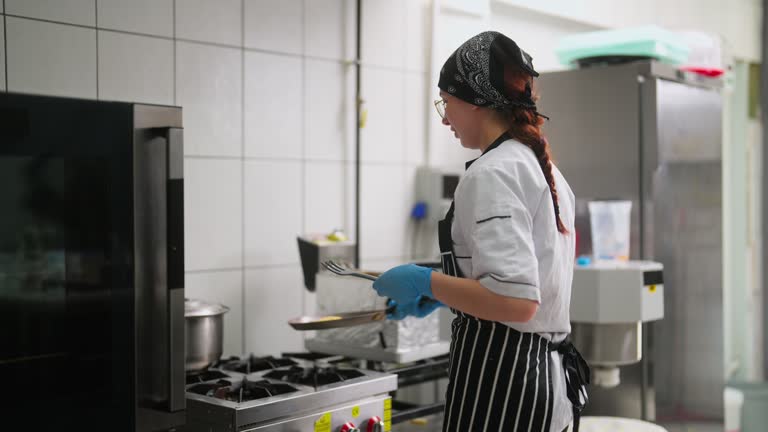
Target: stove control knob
[(375, 424), (349, 427)]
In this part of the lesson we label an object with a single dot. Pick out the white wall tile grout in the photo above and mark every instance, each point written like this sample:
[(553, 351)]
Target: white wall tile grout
[(50, 21), (211, 157), (134, 33), (367, 65), (304, 139), (201, 42), (242, 163), (173, 34), (214, 270), (5, 47), (96, 25)]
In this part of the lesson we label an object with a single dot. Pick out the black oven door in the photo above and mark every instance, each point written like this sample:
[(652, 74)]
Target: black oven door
[(69, 344)]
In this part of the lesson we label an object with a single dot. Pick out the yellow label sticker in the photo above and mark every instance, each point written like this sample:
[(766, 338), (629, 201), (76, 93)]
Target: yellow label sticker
[(652, 288), (323, 424), (355, 411), (387, 415)]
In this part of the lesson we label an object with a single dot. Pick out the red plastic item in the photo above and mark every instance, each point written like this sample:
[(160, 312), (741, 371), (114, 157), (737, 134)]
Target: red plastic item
[(710, 72), (348, 427), (372, 422)]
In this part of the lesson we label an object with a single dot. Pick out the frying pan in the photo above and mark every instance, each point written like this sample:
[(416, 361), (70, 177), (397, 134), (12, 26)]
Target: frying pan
[(346, 319)]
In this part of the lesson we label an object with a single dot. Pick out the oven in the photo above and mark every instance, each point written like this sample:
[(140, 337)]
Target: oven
[(91, 264)]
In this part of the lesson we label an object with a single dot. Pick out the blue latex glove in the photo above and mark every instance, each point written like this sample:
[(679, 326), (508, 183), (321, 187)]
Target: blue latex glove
[(425, 306), (401, 310), (421, 308), (405, 283)]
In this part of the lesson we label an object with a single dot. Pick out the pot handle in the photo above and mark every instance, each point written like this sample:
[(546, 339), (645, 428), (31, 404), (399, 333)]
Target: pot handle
[(175, 257)]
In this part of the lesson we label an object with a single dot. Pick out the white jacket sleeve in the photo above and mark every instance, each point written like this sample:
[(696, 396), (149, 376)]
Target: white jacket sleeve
[(497, 222)]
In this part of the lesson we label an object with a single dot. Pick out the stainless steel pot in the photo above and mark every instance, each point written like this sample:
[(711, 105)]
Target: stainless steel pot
[(203, 333)]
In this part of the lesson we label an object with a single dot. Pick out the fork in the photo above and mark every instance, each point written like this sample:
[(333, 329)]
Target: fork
[(341, 271)]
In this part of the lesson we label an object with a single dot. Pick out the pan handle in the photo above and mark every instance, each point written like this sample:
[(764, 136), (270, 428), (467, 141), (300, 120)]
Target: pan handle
[(423, 301)]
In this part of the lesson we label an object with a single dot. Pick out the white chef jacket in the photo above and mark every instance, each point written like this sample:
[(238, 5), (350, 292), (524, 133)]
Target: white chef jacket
[(505, 236)]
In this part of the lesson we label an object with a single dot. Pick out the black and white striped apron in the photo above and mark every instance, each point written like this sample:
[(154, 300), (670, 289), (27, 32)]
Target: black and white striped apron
[(499, 378)]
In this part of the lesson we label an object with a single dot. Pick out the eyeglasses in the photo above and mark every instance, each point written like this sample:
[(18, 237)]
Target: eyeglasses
[(440, 107)]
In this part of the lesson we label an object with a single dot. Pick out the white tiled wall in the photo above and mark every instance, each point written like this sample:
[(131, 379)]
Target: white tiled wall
[(273, 110), (329, 31), (273, 212), (217, 21), (151, 17), (418, 35), (384, 201), (268, 92), (383, 90), (135, 68), (272, 296), (82, 12), (225, 287), (382, 45), (209, 86), (274, 26), (417, 113), (53, 59), (213, 213), (329, 110), (324, 200)]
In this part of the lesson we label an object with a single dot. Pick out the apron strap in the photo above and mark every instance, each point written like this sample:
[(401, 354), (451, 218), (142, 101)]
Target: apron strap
[(444, 230), (447, 257), (577, 376)]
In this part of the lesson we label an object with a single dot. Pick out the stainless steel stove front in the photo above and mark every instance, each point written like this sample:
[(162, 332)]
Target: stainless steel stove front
[(372, 414)]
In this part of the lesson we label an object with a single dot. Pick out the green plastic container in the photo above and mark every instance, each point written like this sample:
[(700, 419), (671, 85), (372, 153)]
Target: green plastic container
[(647, 41), (754, 412)]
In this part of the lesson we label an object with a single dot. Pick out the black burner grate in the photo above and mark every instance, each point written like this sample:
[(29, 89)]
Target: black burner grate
[(206, 375), (253, 364), (314, 376), (242, 391)]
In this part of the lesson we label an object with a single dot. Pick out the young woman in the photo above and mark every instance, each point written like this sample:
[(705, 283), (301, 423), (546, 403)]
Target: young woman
[(507, 249)]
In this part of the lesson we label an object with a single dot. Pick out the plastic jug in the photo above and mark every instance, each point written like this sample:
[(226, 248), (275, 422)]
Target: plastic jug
[(734, 400), (610, 224)]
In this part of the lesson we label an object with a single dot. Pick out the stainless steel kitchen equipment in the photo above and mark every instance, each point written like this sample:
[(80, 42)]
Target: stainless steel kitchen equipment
[(269, 394), (400, 341), (317, 248), (91, 264), (610, 301), (647, 133), (203, 333)]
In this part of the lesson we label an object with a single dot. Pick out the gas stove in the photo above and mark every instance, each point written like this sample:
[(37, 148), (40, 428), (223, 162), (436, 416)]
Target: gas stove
[(297, 393)]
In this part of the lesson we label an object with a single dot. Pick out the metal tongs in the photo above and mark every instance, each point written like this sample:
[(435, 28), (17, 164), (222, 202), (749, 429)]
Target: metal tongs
[(335, 268)]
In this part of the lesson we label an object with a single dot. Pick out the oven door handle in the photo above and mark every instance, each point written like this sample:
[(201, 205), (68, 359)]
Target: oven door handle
[(175, 257)]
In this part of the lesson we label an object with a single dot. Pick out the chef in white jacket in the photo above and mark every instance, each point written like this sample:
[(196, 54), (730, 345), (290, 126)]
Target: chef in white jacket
[(507, 247)]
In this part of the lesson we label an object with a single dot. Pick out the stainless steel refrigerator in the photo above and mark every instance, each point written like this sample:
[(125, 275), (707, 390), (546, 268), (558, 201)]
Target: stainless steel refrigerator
[(644, 132)]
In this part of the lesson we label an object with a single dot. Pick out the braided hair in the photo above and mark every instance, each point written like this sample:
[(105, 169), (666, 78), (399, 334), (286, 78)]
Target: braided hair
[(525, 126)]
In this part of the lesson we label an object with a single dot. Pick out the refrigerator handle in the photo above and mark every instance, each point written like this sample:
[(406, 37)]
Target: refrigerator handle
[(175, 268)]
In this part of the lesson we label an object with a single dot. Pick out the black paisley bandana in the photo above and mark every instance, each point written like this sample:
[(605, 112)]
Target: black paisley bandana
[(474, 73)]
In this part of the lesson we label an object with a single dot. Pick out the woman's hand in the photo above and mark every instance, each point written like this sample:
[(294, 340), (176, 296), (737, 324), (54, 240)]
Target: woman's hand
[(421, 308), (405, 283)]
